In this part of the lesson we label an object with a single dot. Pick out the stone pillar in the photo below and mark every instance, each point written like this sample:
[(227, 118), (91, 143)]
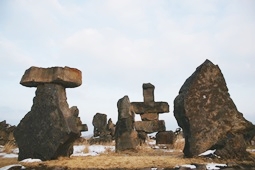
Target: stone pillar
[(50, 128), (126, 138)]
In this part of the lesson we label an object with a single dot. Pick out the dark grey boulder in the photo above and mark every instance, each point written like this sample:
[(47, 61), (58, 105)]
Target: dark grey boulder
[(208, 116)]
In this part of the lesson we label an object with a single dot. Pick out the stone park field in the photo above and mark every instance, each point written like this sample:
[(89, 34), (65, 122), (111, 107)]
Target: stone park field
[(213, 134)]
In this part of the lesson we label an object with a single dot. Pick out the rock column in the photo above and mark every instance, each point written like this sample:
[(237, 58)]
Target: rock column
[(126, 137), (50, 128)]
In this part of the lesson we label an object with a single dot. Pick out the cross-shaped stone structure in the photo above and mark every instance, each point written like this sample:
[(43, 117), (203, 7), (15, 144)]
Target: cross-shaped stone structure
[(149, 110)]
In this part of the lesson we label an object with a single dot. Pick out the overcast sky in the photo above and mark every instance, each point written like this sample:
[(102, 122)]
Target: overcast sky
[(121, 44)]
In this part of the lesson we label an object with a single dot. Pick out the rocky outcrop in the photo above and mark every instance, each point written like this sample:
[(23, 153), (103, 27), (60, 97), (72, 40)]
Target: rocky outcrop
[(126, 138), (6, 133), (50, 128), (209, 117)]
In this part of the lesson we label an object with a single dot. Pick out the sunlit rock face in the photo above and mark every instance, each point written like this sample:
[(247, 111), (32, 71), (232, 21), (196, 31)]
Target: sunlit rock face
[(50, 128), (209, 117)]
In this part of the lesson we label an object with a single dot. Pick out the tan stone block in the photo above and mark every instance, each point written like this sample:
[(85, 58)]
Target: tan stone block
[(65, 76)]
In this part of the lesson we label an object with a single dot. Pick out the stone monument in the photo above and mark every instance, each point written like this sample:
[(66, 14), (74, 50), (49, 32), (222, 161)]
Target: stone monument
[(149, 110), (50, 128)]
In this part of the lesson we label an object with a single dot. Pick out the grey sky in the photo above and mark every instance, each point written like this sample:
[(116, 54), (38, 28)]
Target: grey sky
[(119, 45)]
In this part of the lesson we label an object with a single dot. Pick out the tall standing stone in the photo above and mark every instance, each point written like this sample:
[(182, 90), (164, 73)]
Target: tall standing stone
[(126, 138), (99, 122), (209, 117), (50, 128)]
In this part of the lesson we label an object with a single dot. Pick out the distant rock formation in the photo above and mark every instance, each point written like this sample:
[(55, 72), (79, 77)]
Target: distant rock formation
[(149, 110), (50, 128), (126, 138), (103, 131), (6, 133), (209, 117)]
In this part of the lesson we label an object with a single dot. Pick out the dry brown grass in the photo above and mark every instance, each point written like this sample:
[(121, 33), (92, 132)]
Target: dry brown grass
[(117, 160), (144, 157), (8, 161), (179, 144), (8, 147), (86, 149)]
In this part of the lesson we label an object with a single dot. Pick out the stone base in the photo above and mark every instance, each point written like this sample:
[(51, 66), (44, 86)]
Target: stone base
[(150, 126)]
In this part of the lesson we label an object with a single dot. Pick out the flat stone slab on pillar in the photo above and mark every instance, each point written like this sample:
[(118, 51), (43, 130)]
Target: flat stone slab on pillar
[(150, 126), (65, 76), (152, 107)]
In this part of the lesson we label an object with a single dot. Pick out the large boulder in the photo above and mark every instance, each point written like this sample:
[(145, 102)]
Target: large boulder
[(208, 116), (65, 76), (126, 138)]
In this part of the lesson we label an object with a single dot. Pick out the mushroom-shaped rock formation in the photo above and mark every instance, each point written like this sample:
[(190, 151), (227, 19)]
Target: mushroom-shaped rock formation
[(50, 128)]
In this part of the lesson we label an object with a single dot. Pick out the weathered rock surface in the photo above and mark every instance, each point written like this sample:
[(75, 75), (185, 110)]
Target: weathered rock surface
[(153, 107), (148, 92), (103, 131), (150, 126), (126, 138), (149, 111), (49, 130), (65, 76), (99, 122), (6, 133), (149, 116), (111, 127), (209, 117), (166, 137)]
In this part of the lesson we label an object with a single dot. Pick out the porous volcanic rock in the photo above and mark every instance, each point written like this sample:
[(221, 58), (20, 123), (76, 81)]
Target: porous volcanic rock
[(49, 130), (209, 117), (126, 138), (66, 76)]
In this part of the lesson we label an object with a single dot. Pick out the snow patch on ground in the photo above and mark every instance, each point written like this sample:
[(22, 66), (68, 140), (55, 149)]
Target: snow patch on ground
[(209, 152), (13, 154), (30, 160), (93, 150), (186, 166), (12, 166), (214, 166)]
